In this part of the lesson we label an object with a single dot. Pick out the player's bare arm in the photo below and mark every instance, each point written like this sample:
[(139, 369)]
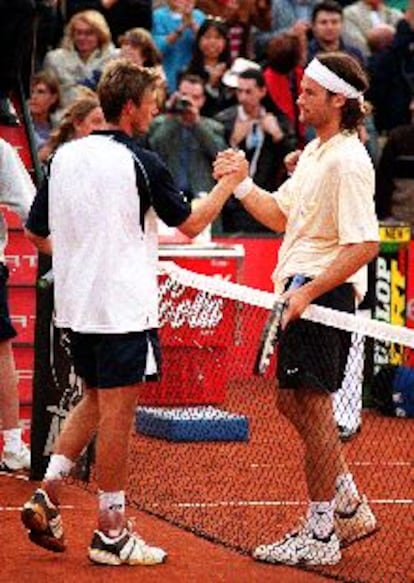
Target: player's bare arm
[(205, 210), (349, 260), (258, 202), (43, 244)]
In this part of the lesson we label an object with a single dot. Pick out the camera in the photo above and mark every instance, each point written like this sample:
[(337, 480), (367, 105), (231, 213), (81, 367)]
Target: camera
[(179, 105)]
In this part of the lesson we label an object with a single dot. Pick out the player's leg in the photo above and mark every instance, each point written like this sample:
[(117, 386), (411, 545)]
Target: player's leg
[(16, 454), (41, 514), (116, 412), (127, 360)]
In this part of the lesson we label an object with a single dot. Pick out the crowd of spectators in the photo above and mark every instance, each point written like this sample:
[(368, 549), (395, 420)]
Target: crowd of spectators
[(229, 75)]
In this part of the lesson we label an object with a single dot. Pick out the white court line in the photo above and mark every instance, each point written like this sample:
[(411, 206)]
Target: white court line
[(253, 503), (20, 508), (386, 464)]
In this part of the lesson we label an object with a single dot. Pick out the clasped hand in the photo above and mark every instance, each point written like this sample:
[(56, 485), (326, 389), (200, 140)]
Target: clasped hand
[(231, 164)]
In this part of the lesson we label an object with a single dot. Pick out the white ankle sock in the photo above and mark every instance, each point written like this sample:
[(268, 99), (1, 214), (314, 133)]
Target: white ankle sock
[(12, 440), (321, 518), (59, 467), (111, 503), (347, 495)]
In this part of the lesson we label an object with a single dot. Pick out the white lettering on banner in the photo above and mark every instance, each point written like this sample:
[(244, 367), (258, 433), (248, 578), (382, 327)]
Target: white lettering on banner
[(22, 320), (16, 261), (25, 374), (382, 310), (383, 291), (201, 311)]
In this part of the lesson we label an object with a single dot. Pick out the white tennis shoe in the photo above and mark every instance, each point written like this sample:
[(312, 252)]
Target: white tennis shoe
[(301, 547)]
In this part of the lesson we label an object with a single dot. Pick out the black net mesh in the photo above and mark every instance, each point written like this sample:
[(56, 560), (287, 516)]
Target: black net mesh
[(212, 453)]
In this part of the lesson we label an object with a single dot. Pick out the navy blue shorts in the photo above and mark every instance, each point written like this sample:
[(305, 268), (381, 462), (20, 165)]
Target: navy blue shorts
[(114, 360), (314, 356), (6, 328)]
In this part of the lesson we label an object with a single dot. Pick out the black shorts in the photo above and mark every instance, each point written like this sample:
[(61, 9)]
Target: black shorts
[(114, 360), (6, 328), (312, 355)]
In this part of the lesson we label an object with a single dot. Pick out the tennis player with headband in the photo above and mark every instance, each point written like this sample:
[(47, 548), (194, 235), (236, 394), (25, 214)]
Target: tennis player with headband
[(326, 210)]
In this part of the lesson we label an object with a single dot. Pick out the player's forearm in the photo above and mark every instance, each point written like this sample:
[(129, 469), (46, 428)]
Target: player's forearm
[(264, 208), (43, 244), (349, 260), (205, 210)]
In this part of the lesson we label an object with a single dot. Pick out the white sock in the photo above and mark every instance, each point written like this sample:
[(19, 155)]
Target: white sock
[(12, 440), (59, 467), (321, 518), (112, 502), (347, 495)]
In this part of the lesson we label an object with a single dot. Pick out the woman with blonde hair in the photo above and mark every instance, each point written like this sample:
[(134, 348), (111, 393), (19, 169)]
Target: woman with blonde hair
[(86, 47), (82, 117)]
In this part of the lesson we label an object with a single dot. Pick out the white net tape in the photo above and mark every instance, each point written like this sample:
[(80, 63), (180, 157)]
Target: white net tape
[(341, 320)]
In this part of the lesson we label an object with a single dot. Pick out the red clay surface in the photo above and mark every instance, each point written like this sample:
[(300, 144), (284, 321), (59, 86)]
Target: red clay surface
[(191, 559)]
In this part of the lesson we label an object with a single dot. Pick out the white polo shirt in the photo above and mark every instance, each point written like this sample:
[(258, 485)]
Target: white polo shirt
[(104, 259)]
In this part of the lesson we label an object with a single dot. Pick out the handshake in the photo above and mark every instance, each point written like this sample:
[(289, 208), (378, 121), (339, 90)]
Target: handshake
[(231, 167)]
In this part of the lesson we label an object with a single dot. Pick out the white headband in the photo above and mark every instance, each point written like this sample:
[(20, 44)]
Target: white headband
[(330, 80)]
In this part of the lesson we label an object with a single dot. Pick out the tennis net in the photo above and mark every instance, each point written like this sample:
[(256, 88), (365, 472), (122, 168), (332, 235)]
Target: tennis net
[(212, 454)]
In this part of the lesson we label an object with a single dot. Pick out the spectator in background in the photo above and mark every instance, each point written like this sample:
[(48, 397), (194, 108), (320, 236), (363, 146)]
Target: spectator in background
[(186, 141), (370, 25), (286, 15), (79, 119), (395, 176), (211, 59), (120, 15), (137, 46), (257, 132), (327, 24), (283, 75), (392, 77), (240, 16), (43, 103), (86, 47), (16, 192), (174, 30)]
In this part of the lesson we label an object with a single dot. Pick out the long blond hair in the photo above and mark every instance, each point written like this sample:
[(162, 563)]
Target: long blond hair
[(95, 20), (77, 111)]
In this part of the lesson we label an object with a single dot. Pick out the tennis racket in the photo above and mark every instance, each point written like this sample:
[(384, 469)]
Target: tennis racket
[(272, 329)]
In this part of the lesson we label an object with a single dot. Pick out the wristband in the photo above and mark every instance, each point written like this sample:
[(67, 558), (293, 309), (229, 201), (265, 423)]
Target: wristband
[(243, 188)]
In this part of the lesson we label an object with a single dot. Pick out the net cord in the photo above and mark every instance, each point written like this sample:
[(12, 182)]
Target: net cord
[(240, 293)]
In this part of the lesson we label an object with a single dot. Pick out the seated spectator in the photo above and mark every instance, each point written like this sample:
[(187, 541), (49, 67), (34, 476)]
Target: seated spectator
[(187, 142), (43, 103), (86, 47), (211, 59), (370, 25), (174, 30), (395, 176), (240, 16), (392, 78), (283, 75), (137, 46), (286, 15), (327, 25), (79, 119), (121, 15), (256, 131)]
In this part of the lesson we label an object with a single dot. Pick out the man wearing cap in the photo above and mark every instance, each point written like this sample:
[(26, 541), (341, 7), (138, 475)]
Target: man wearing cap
[(326, 209)]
